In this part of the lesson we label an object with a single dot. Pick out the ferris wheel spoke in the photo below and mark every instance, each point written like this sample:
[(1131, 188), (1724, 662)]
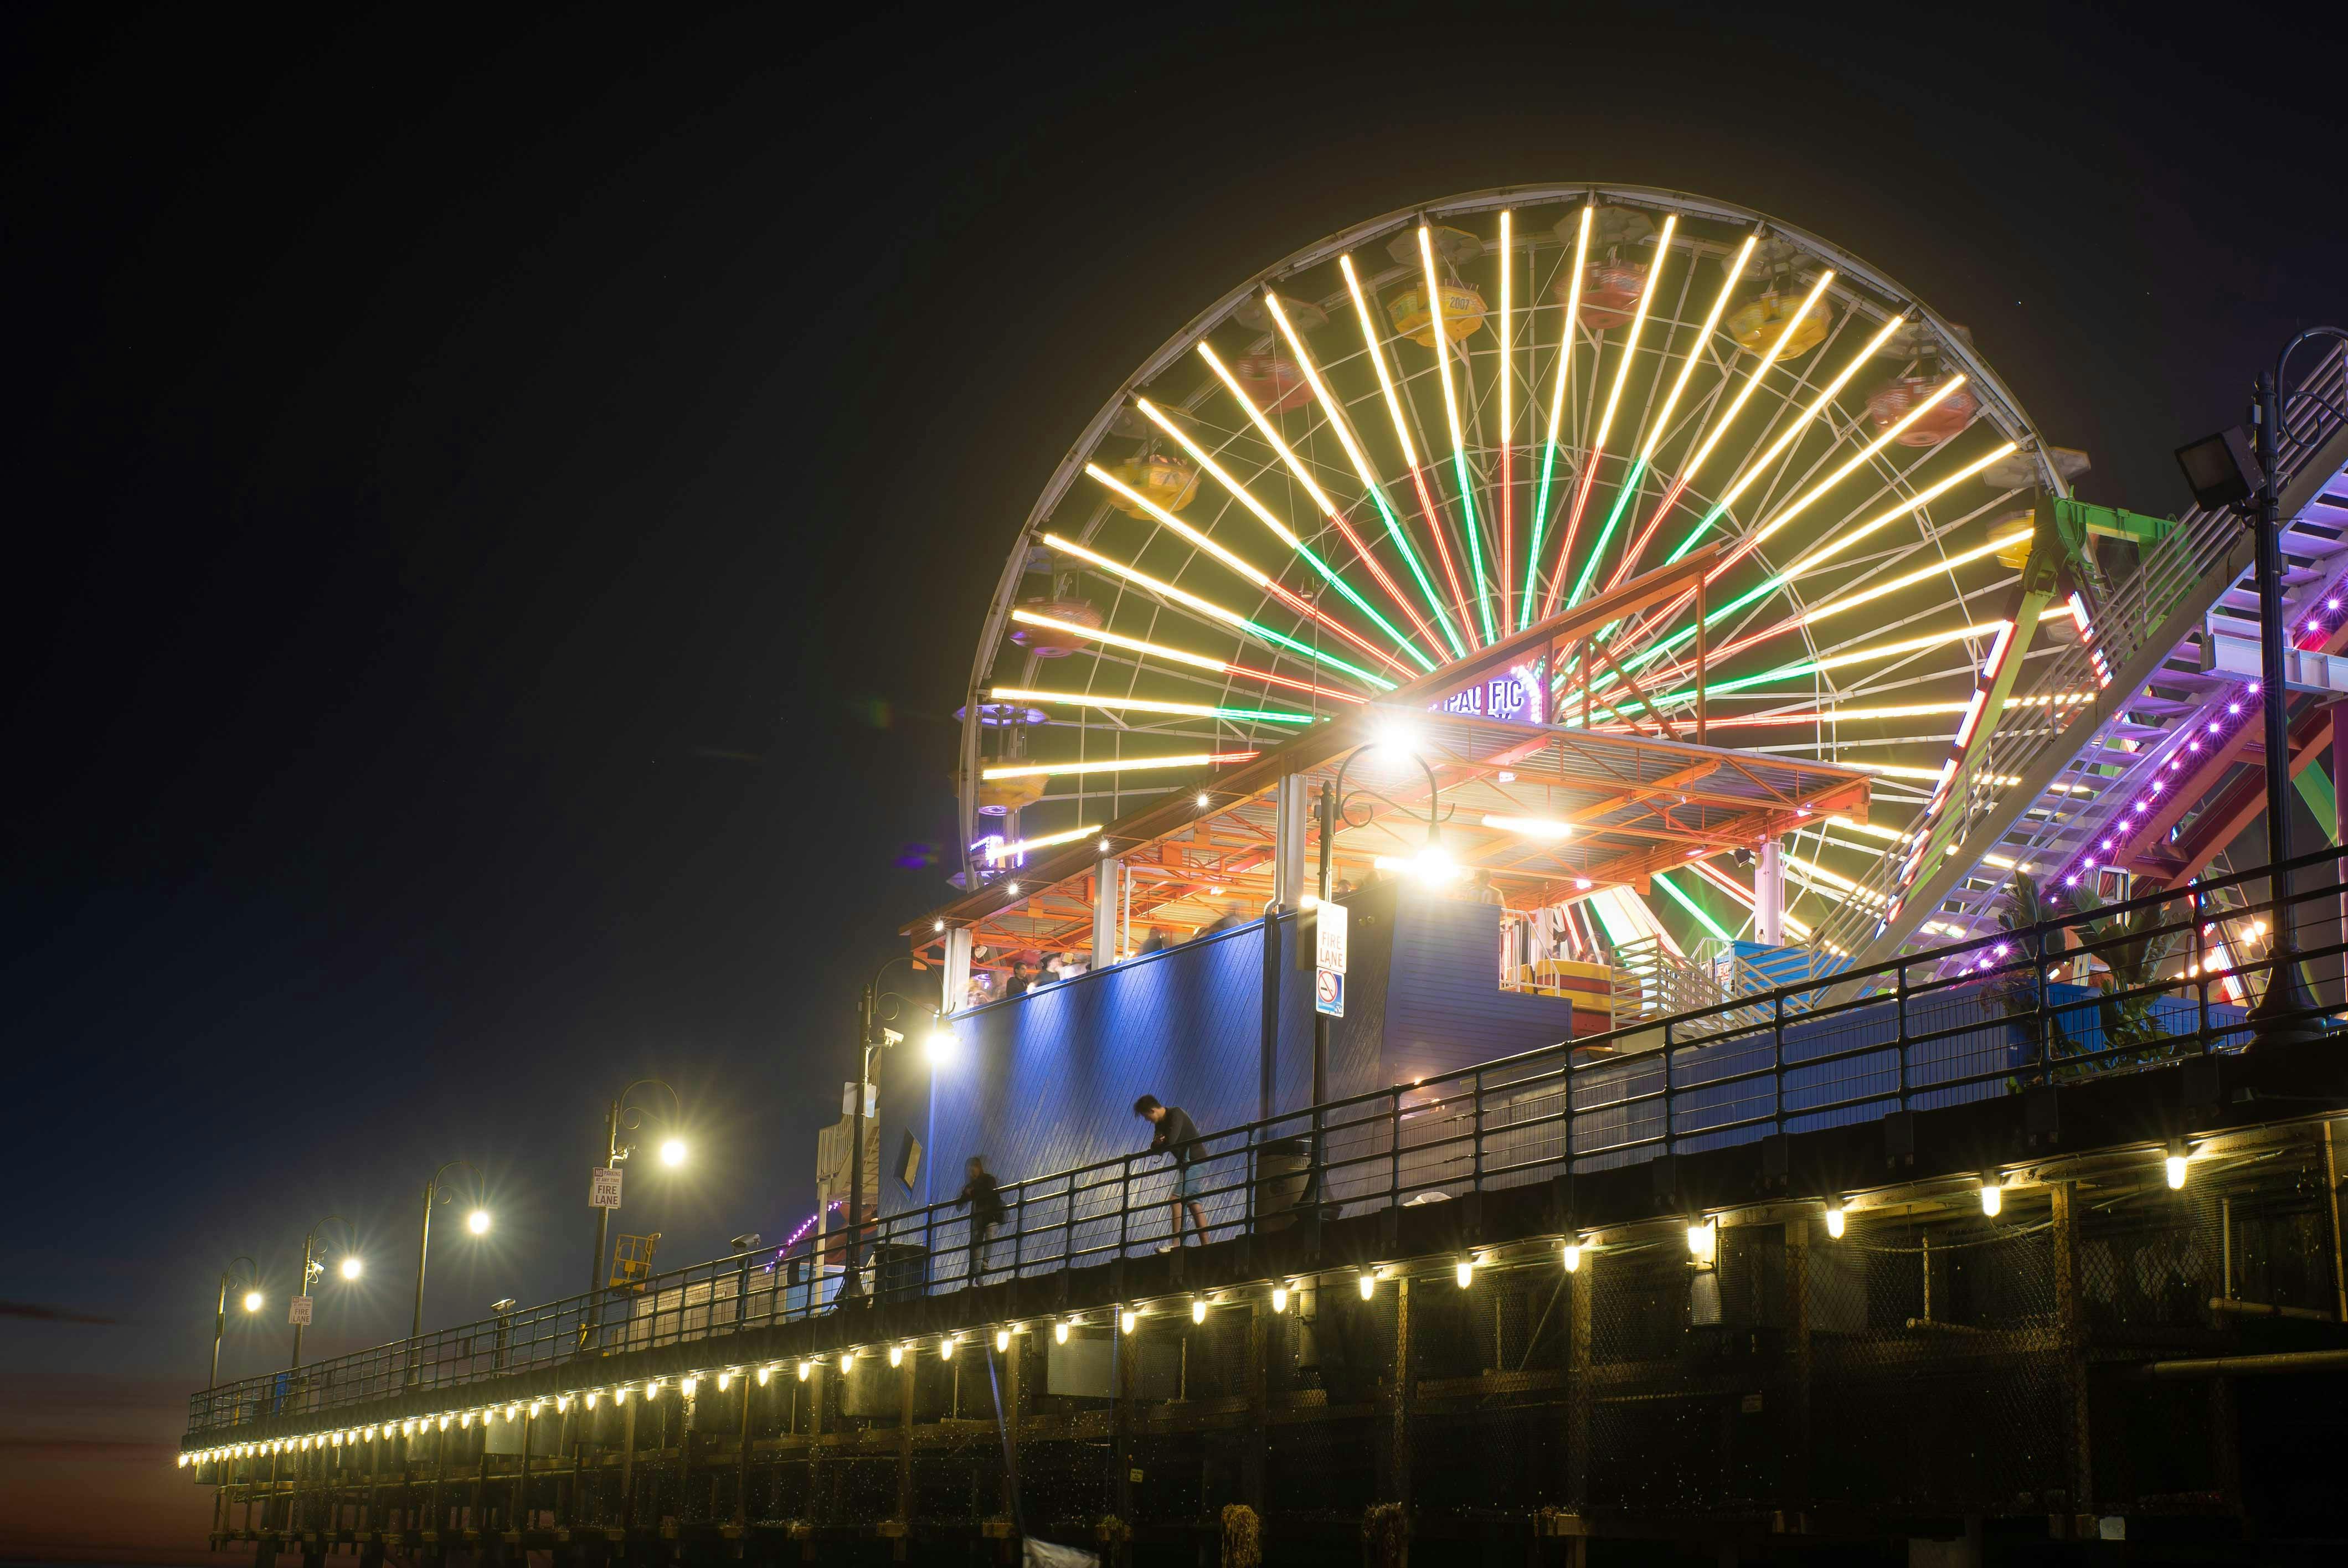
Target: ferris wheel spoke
[(1253, 576), (1468, 525), (1209, 607), (1753, 538), (1371, 484), (1116, 706), (1756, 468), (1329, 508), (1503, 386), (1402, 437), (1688, 469), (1834, 543), (1572, 308), (1286, 536), (1181, 656), (1597, 455), (1629, 489)]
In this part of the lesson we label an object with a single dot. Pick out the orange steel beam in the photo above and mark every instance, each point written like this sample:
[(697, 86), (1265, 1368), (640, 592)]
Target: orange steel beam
[(1341, 733), (2237, 806)]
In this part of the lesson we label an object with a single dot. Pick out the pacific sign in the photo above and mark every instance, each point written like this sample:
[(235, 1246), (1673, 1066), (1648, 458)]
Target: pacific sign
[(1513, 696)]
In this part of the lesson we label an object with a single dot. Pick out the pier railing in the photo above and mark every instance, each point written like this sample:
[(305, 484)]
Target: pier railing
[(2121, 988)]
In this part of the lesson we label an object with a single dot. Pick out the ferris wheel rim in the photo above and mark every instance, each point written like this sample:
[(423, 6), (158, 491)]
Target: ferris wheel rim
[(1857, 283)]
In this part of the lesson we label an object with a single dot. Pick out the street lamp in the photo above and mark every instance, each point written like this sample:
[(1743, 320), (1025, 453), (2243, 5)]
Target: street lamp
[(476, 1222), (2215, 468), (311, 1268), (252, 1303), (867, 1015), (624, 1117)]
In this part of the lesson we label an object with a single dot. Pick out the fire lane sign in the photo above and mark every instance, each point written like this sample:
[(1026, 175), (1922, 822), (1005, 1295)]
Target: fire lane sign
[(297, 1312), (603, 1187), (1329, 942)]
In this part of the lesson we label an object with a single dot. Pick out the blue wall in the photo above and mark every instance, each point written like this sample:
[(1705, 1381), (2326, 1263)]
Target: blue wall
[(1445, 1007), (1046, 1081)]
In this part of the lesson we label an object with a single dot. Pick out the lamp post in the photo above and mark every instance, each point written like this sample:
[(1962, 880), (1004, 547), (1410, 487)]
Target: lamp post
[(251, 1303), (2214, 466), (1331, 810), (311, 1268), (868, 1017), (477, 1223), (624, 1117)]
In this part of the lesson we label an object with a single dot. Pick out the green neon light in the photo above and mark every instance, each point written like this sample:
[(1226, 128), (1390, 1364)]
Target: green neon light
[(1359, 602), (1265, 713), (1309, 652), (1410, 558), (1618, 931), (1630, 488), (1475, 545), (1688, 904), (1533, 552)]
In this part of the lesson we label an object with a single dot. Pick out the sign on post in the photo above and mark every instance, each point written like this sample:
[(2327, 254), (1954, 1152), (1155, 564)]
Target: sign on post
[(297, 1312), (1329, 993), (1329, 943), (603, 1187)]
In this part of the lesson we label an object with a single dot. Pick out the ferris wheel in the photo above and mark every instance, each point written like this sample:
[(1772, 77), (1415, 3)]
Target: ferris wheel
[(1438, 427)]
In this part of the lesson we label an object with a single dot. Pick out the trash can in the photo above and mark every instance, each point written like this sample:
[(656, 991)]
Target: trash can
[(1282, 1167)]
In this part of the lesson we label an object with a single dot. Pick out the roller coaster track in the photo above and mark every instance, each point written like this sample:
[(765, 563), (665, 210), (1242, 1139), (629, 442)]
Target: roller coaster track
[(2055, 783)]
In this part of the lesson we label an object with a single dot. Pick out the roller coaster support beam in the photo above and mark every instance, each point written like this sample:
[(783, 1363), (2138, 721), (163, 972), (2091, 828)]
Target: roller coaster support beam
[(2055, 552)]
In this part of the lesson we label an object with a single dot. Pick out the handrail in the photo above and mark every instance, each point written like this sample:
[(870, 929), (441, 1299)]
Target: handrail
[(1976, 1018)]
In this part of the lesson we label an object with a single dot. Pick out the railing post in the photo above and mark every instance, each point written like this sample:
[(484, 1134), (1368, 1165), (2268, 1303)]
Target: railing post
[(1670, 1122), (1068, 1226), (1393, 1146), (2193, 951), (1900, 975), (1476, 1124), (1125, 1205), (1777, 1061)]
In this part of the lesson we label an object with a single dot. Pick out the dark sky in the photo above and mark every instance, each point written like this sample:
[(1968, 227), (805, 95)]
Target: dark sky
[(499, 508)]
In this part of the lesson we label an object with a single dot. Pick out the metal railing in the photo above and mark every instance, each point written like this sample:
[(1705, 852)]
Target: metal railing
[(2119, 988)]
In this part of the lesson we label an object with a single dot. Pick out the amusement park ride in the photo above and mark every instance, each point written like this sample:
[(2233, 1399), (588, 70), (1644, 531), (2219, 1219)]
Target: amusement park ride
[(1323, 506)]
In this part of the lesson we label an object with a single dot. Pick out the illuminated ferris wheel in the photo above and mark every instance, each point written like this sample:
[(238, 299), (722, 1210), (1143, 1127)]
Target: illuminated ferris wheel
[(1444, 424)]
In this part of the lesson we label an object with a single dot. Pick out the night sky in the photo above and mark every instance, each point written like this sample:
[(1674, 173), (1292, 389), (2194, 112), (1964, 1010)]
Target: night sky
[(500, 508)]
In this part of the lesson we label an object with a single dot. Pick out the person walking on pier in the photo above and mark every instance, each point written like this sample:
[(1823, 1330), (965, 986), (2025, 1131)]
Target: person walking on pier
[(1177, 1135), (984, 1201)]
